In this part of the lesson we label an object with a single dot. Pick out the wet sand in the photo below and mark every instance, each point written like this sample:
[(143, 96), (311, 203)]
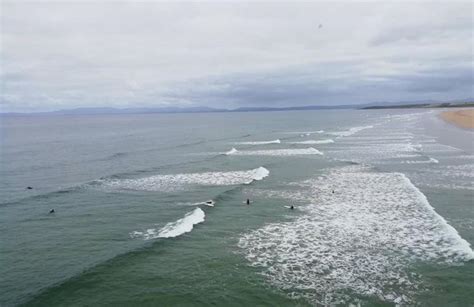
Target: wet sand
[(462, 118)]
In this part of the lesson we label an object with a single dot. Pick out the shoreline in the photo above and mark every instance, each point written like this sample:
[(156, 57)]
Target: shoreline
[(463, 118)]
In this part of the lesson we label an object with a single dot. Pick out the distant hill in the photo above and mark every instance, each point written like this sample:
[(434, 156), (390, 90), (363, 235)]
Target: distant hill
[(301, 108), (137, 110), (374, 105), (93, 111), (96, 111), (421, 105)]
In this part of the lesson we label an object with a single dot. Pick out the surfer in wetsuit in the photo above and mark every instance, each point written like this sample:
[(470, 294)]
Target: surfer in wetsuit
[(248, 201), (292, 207), (51, 211)]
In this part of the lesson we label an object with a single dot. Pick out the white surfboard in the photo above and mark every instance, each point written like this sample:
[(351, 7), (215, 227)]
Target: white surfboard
[(209, 203)]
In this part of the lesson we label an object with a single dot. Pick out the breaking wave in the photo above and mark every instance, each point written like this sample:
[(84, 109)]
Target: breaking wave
[(277, 141), (173, 229), (351, 131), (309, 142), (429, 161), (305, 132), (177, 181), (376, 153), (360, 239), (232, 151), (275, 152)]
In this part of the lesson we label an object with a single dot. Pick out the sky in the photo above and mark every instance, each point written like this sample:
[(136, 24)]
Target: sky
[(229, 54)]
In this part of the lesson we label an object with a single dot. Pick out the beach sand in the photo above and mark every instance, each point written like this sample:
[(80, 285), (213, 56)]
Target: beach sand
[(462, 118)]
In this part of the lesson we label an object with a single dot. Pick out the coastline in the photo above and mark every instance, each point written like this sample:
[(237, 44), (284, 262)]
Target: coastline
[(463, 118)]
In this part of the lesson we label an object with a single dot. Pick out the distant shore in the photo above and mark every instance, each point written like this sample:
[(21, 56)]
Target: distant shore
[(421, 106), (462, 118)]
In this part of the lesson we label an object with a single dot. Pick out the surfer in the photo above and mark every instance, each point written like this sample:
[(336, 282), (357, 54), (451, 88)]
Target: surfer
[(332, 191), (29, 188), (292, 207), (248, 201), (51, 211)]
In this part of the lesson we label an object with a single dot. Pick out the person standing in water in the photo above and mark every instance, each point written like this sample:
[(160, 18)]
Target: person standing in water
[(248, 201)]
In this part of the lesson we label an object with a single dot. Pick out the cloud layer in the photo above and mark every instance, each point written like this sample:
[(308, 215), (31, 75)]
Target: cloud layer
[(65, 55)]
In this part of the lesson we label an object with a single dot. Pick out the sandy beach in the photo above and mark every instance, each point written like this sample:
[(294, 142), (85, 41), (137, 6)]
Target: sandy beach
[(461, 118)]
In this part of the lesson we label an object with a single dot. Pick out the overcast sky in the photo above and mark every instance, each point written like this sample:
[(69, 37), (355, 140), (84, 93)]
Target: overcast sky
[(57, 55)]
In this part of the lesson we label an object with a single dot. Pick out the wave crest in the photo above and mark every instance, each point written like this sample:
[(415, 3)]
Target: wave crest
[(277, 141), (351, 131), (275, 152), (178, 181), (310, 142), (173, 229)]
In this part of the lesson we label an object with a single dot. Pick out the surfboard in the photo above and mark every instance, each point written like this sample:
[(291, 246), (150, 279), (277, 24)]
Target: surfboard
[(209, 203)]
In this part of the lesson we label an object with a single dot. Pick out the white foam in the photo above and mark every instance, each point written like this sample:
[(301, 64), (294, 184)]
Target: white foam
[(275, 152), (328, 141), (430, 161), (177, 181), (374, 153), (173, 229), (351, 131), (305, 132), (277, 141), (440, 148), (362, 239), (232, 151), (455, 247), (260, 173), (386, 137)]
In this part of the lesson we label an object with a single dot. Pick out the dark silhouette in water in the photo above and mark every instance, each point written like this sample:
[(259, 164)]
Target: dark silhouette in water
[(51, 211), (332, 191), (248, 201), (29, 188), (292, 207)]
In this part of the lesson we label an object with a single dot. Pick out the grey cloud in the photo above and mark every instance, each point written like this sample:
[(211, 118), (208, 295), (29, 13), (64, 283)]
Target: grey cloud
[(442, 80), (436, 28), (118, 54), (421, 33), (292, 88)]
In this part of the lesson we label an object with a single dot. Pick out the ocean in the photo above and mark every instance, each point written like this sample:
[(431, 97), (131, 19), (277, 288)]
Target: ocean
[(150, 209)]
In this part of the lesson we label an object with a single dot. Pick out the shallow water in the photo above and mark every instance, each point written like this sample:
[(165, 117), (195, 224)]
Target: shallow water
[(384, 209)]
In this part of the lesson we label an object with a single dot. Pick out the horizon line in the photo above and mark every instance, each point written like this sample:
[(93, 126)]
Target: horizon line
[(206, 109)]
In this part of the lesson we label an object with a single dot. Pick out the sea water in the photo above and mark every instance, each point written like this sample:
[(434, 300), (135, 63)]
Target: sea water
[(383, 209)]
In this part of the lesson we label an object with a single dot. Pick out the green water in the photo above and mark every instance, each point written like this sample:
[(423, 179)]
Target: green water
[(99, 173)]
